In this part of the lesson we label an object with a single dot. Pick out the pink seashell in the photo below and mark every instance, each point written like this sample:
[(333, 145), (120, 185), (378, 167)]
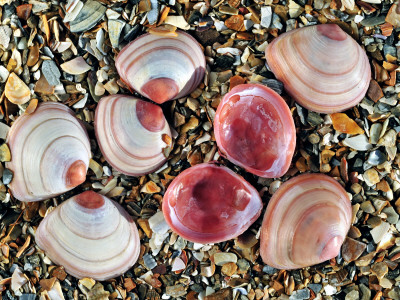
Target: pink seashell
[(50, 152), (91, 236), (306, 222), (321, 67), (210, 204), (254, 129), (132, 134), (162, 68)]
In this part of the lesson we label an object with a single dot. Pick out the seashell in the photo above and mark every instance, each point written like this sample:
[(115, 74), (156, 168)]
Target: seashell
[(91, 236), (306, 222), (76, 66), (208, 203), (162, 68), (16, 90), (50, 152), (321, 67), (254, 129), (131, 134), (88, 16)]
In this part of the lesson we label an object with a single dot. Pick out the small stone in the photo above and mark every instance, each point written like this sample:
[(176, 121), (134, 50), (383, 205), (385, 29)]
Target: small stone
[(374, 91), (330, 290), (266, 16), (353, 295), (314, 138), (373, 21), (243, 265), (18, 279), (224, 294), (7, 176), (51, 72), (314, 119), (235, 23), (229, 268), (176, 290), (389, 139), (358, 142), (342, 123), (380, 269), (300, 294), (115, 28), (352, 249), (315, 287), (5, 154), (371, 177), (367, 207), (376, 157), (221, 258), (393, 16), (392, 215), (379, 231), (87, 282), (112, 87)]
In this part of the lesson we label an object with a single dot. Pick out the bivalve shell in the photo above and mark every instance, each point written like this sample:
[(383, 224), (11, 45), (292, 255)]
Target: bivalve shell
[(254, 129), (162, 68), (91, 236), (210, 204), (306, 222), (50, 152), (132, 134), (16, 90), (321, 67)]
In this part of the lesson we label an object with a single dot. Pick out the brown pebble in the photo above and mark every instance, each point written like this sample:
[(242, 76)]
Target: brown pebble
[(224, 294), (235, 23), (59, 273), (24, 11), (342, 123), (352, 249), (236, 80), (229, 268)]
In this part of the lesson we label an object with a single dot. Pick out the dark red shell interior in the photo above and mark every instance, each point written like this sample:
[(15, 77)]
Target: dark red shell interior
[(254, 129), (209, 204)]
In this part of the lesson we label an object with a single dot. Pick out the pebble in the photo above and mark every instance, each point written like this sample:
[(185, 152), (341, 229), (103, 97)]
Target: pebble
[(314, 118), (7, 176), (358, 142), (392, 215), (115, 28), (366, 292), (27, 297), (373, 21), (51, 72), (376, 157), (315, 287), (389, 139), (379, 231), (300, 294), (352, 249), (353, 295), (149, 261), (371, 177), (330, 290), (266, 16), (221, 258), (176, 290), (269, 270)]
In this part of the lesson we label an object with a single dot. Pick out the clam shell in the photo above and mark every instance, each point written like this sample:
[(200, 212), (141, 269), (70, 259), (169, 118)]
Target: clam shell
[(210, 204), (16, 90), (321, 67), (306, 222), (91, 236), (132, 134), (254, 129), (50, 152), (162, 68)]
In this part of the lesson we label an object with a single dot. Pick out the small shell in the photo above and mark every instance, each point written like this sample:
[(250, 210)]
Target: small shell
[(306, 222), (91, 236), (162, 68), (254, 128), (210, 204), (321, 67), (50, 152), (75, 66), (131, 134), (16, 90)]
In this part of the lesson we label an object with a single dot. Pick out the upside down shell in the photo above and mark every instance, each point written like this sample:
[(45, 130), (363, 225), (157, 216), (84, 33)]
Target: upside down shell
[(306, 222), (321, 67), (162, 68), (132, 134), (50, 152), (91, 236)]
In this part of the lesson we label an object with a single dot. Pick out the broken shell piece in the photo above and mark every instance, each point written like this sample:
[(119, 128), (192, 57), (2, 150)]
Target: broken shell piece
[(162, 68), (132, 134), (255, 130), (91, 236), (16, 90), (210, 204), (306, 222), (321, 67), (50, 152), (76, 66), (88, 16)]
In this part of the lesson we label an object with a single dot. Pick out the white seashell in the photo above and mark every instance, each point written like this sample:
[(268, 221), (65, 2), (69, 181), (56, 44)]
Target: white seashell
[(91, 236), (131, 134), (76, 66), (50, 152), (162, 68), (16, 90)]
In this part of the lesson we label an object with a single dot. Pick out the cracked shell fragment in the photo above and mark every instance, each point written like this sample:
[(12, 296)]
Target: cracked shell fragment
[(91, 236)]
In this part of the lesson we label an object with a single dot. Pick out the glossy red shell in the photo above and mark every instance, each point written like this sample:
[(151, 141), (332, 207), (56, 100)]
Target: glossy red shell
[(254, 129), (210, 204)]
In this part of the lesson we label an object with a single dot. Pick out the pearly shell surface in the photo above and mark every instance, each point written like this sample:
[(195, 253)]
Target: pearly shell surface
[(91, 236), (306, 222), (321, 67), (210, 204), (50, 152), (254, 129), (162, 68), (132, 134)]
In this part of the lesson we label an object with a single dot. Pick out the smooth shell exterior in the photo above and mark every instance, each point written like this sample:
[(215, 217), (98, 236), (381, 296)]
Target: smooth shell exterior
[(162, 68), (210, 204), (91, 236), (306, 222), (321, 67), (50, 152), (130, 134), (16, 90), (254, 129)]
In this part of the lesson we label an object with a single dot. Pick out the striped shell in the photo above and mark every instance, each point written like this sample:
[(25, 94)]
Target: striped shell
[(321, 67), (306, 222), (162, 68), (132, 134), (254, 129), (210, 204), (50, 152), (91, 236)]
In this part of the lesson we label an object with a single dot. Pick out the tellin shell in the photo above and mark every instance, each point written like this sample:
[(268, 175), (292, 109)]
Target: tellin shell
[(210, 204), (91, 236), (306, 222), (50, 152), (254, 129), (162, 68), (132, 134), (321, 67)]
